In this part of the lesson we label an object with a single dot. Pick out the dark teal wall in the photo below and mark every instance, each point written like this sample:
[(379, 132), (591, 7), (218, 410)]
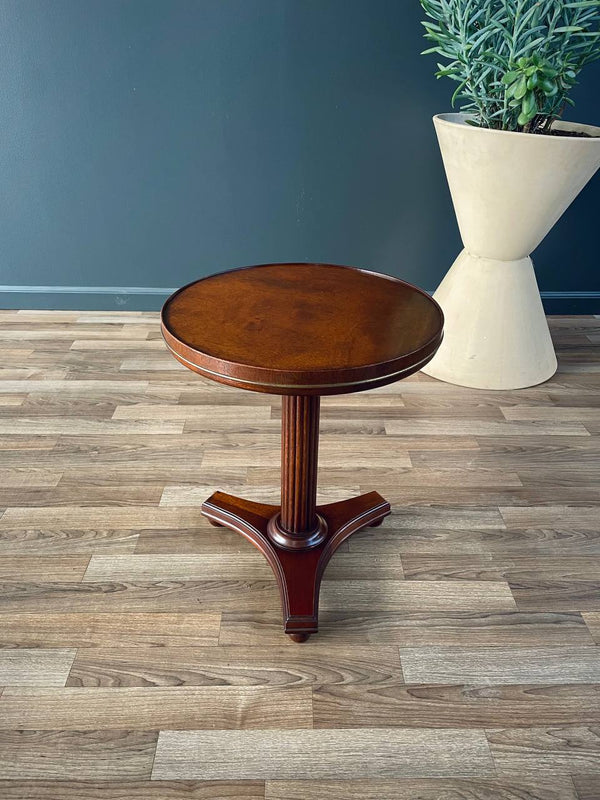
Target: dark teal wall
[(144, 143)]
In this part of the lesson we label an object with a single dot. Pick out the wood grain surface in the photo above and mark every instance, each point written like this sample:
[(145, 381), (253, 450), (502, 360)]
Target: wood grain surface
[(302, 329), (368, 752), (424, 789), (141, 653)]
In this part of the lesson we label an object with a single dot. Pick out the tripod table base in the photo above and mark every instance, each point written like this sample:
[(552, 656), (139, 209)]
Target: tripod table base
[(298, 571)]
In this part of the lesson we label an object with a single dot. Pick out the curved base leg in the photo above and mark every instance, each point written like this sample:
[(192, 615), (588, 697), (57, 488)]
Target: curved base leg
[(298, 572)]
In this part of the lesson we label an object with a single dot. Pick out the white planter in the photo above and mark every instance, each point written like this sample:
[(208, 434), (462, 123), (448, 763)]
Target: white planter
[(508, 190)]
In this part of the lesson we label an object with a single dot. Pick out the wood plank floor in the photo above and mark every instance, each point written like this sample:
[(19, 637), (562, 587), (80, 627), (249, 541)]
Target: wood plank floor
[(141, 649)]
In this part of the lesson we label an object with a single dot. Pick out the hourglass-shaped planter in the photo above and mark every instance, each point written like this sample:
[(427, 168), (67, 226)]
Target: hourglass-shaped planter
[(508, 190)]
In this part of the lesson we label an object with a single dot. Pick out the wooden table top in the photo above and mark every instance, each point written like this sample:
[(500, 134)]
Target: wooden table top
[(302, 328)]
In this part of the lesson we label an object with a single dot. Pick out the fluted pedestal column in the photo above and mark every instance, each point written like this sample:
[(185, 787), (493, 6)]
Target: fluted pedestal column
[(298, 526)]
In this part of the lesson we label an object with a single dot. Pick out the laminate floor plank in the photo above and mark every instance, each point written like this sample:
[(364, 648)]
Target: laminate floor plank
[(64, 402), (418, 628), (377, 753), (353, 427), (557, 595), (159, 363), (392, 538), (212, 414), (85, 369), (107, 474), (454, 706), (40, 568), (149, 318), (399, 479), (463, 567), (71, 388), (139, 790), (556, 516), (142, 345), (88, 630), (249, 565), (500, 543), (30, 372), (90, 495), (27, 444), (332, 453), (78, 517), (253, 594), (47, 755), (138, 596), (317, 664), (570, 749), (511, 453), (43, 406), (71, 332), (219, 394), (471, 499), (552, 413), (423, 789), (571, 476), (170, 708), (492, 666), (75, 427), (28, 477), (31, 315), (46, 668), (475, 427), (55, 540), (417, 517), (382, 595), (517, 571), (391, 412), (555, 541), (201, 539), (193, 495)]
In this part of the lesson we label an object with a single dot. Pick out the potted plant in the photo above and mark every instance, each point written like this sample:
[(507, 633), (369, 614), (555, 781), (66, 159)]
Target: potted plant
[(513, 167)]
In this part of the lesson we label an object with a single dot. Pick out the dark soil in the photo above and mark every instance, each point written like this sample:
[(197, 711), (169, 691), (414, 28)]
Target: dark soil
[(570, 134)]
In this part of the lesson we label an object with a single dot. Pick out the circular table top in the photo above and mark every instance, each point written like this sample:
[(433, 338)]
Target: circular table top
[(302, 328)]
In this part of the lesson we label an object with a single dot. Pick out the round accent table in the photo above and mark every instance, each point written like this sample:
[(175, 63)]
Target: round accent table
[(300, 331)]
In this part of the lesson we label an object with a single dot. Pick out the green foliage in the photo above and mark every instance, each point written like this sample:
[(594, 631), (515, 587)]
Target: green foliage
[(515, 61)]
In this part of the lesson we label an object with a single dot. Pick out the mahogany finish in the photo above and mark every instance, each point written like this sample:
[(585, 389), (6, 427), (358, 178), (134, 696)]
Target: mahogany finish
[(298, 572), (301, 331), (302, 328), (298, 525)]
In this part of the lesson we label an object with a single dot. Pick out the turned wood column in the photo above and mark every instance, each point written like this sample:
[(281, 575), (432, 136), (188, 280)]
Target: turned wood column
[(298, 525), (299, 456)]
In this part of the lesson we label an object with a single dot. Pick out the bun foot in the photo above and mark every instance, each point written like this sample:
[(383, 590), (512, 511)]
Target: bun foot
[(376, 524), (216, 524), (299, 637)]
